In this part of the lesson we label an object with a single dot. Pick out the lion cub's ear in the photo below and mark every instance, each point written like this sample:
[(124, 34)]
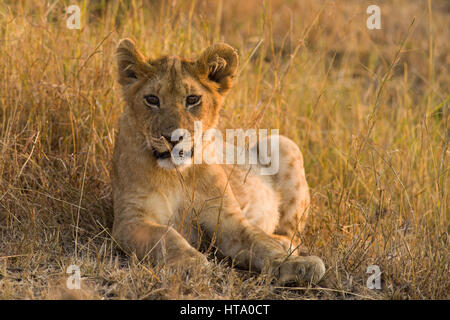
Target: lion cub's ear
[(130, 62), (219, 63)]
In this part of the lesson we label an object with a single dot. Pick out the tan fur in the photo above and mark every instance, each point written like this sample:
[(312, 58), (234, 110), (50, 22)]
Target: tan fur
[(165, 212)]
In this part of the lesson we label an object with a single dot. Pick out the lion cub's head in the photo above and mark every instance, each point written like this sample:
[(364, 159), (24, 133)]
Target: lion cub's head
[(171, 93)]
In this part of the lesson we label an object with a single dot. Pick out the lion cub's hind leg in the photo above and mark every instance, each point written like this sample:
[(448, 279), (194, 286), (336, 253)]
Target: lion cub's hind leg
[(290, 183)]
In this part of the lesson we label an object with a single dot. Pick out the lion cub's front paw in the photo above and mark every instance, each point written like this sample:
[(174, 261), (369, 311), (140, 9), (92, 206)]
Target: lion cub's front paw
[(188, 258), (301, 270)]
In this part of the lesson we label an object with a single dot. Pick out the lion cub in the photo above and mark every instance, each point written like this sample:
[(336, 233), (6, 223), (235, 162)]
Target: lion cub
[(164, 208)]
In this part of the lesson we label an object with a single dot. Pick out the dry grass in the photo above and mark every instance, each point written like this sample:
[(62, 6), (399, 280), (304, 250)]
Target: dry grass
[(370, 114)]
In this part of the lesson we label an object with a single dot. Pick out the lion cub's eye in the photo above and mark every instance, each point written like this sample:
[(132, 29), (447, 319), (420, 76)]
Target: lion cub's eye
[(192, 101), (151, 101)]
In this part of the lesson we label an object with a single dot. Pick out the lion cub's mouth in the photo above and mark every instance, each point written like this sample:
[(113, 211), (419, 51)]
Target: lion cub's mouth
[(161, 155), (167, 154)]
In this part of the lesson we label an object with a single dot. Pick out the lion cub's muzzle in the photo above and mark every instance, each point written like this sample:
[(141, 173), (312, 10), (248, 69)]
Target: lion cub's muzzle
[(166, 144), (170, 154)]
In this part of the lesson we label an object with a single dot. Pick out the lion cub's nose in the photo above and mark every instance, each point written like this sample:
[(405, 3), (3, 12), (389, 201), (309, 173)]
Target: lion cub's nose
[(168, 139)]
